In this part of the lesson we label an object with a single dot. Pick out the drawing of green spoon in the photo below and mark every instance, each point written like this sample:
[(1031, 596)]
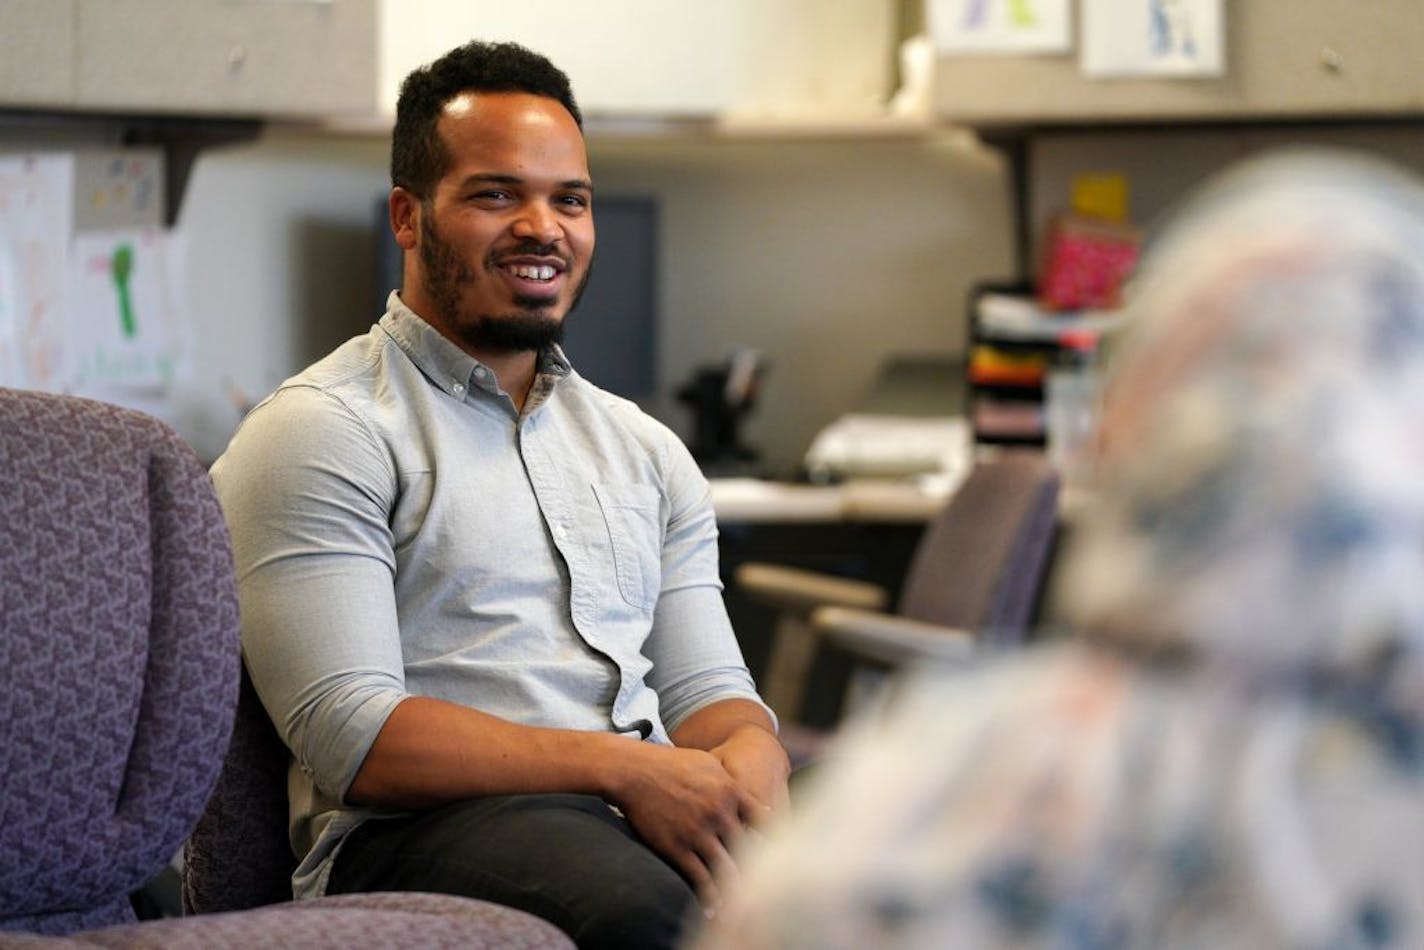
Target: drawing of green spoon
[(121, 267)]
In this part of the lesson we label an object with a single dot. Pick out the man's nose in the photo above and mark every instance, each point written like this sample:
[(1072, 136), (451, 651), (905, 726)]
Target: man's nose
[(538, 222)]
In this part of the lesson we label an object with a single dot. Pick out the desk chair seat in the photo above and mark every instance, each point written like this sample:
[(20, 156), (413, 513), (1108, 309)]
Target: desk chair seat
[(119, 674)]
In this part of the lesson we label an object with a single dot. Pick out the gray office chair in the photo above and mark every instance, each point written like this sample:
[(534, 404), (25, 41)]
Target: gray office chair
[(973, 583)]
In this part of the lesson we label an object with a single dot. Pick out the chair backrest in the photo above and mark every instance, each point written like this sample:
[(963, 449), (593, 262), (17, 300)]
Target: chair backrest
[(118, 656), (981, 563), (239, 855)]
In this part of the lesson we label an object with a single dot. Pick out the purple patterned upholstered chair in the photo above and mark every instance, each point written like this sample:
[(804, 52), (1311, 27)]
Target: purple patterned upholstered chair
[(118, 656), (119, 675), (239, 855)]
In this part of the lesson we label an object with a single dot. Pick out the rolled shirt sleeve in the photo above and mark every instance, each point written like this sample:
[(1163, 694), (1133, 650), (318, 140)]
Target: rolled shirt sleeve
[(694, 651), (306, 490)]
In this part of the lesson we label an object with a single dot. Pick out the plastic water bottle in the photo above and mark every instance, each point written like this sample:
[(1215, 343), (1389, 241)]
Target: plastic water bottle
[(1071, 405)]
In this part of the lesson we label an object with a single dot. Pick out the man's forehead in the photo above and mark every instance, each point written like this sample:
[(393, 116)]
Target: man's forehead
[(462, 103), (498, 134), (511, 121), (525, 106)]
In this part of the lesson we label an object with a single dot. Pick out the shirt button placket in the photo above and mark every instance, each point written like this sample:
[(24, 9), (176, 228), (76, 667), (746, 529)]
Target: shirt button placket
[(555, 508)]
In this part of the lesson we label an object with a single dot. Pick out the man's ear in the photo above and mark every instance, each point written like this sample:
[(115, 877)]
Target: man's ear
[(405, 217)]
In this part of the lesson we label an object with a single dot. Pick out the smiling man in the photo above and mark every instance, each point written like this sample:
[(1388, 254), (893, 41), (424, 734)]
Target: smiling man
[(505, 237), (480, 596)]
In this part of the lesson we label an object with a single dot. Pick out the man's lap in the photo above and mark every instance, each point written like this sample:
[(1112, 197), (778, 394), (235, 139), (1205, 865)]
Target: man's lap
[(567, 858)]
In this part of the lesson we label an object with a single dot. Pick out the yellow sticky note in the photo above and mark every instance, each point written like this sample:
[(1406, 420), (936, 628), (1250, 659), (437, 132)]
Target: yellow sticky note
[(1101, 195)]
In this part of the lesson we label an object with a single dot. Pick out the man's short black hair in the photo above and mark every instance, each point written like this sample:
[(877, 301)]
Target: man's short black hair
[(418, 156)]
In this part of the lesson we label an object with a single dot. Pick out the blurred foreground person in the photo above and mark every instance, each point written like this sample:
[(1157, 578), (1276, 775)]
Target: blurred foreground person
[(1230, 754)]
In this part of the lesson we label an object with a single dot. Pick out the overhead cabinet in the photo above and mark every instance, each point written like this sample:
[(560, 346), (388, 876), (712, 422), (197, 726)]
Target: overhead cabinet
[(344, 59), (197, 57), (37, 52), (1285, 59), (267, 57)]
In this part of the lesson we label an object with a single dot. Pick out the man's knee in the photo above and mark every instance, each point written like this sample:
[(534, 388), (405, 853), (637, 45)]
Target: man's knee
[(566, 858), (642, 910)]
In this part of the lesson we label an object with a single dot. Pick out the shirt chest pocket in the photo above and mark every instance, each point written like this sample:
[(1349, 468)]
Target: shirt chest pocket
[(633, 518)]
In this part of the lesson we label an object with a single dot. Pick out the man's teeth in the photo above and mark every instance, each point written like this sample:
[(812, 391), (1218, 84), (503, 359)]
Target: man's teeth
[(533, 271)]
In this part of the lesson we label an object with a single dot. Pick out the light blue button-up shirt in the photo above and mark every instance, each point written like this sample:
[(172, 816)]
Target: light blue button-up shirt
[(399, 528)]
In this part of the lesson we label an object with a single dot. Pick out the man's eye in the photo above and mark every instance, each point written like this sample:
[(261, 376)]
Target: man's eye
[(574, 201), (492, 194)]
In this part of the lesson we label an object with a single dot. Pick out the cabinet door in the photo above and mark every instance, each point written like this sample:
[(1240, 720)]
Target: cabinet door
[(36, 52), (234, 57), (1284, 58)]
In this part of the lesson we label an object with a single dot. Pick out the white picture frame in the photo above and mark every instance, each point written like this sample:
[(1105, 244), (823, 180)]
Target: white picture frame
[(1165, 38), (1002, 27)]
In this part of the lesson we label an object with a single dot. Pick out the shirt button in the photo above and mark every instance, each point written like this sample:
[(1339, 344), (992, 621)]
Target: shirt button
[(480, 371), (458, 388)]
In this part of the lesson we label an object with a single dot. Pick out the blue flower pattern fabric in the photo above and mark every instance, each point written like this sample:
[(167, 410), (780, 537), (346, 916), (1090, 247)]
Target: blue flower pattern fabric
[(1228, 751)]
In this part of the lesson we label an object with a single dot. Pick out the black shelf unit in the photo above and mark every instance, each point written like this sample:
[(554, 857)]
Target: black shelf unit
[(1012, 412), (988, 399)]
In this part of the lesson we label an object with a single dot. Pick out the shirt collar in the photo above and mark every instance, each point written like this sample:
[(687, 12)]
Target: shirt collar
[(451, 368)]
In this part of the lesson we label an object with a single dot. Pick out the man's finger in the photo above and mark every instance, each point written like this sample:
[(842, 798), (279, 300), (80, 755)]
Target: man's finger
[(716, 856), (752, 810), (709, 895), (755, 814), (696, 870)]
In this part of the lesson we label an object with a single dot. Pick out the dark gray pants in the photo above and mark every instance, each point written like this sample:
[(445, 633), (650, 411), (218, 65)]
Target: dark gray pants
[(566, 858)]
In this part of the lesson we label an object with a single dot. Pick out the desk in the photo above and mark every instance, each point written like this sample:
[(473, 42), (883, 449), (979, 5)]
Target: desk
[(754, 501)]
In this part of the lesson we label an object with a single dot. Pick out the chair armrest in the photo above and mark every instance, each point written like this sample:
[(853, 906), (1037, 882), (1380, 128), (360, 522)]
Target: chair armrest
[(888, 639), (800, 591)]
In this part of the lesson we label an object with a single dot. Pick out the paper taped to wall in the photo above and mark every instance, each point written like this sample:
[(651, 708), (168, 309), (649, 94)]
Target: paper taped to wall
[(982, 27), (36, 217), (1123, 38)]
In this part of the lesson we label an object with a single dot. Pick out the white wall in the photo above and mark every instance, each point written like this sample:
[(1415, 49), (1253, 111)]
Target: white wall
[(280, 258), (825, 256)]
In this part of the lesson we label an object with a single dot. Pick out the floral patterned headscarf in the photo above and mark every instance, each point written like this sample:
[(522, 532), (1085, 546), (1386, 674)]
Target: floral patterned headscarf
[(1231, 755), (1261, 497)]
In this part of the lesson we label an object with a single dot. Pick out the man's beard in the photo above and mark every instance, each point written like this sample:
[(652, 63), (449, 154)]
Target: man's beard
[(530, 328)]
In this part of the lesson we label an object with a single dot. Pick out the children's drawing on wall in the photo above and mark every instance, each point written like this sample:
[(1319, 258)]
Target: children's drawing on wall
[(1021, 14), (1153, 38), (90, 297), (1000, 26), (127, 339), (120, 191), (1171, 30), (36, 215)]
